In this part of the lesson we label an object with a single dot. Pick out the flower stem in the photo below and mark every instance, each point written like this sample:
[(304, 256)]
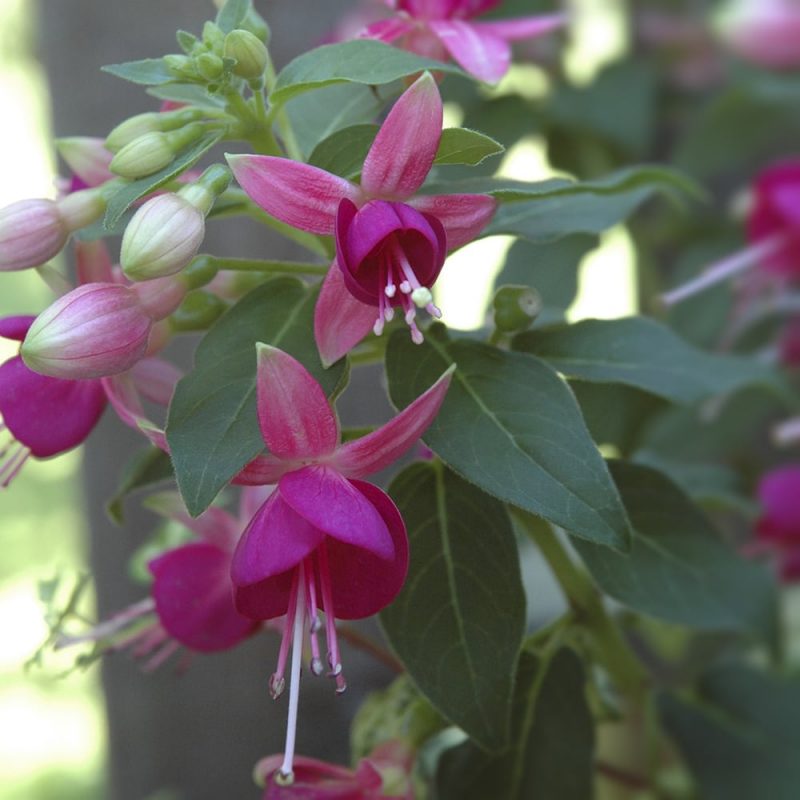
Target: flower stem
[(362, 642), (278, 113), (259, 265), (307, 240), (608, 643)]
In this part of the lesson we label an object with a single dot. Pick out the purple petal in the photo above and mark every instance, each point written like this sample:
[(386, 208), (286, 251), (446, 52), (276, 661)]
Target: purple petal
[(463, 216), (266, 599), (15, 328), (362, 583), (380, 448), (404, 149), (194, 598), (276, 540), (482, 54), (332, 504), (296, 419), (48, 415), (778, 492), (340, 321), (298, 194), (523, 27)]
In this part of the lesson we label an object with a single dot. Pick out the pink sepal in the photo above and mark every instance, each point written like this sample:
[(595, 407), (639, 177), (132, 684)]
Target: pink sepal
[(463, 216), (485, 55), (215, 525), (340, 321), (15, 328), (404, 149), (519, 28), (295, 417), (262, 470), (333, 505), (155, 380), (380, 448), (298, 194), (121, 393)]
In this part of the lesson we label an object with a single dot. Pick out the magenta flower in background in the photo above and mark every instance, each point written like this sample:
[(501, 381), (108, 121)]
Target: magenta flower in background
[(324, 539), (778, 527), (383, 775), (765, 32), (441, 28), (390, 244), (41, 416)]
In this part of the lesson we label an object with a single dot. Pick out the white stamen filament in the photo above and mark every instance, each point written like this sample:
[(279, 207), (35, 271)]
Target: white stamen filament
[(286, 771), (728, 267)]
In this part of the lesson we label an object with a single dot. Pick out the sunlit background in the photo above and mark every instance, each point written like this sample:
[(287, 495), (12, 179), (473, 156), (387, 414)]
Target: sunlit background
[(52, 732)]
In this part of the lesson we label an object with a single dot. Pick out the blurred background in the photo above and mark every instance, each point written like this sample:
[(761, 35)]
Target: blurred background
[(112, 731)]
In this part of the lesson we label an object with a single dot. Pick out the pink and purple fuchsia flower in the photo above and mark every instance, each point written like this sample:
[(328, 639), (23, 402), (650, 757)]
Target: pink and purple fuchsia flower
[(324, 539), (390, 244), (441, 28)]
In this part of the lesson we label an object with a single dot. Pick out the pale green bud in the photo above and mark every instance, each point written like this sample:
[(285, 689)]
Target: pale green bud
[(250, 54), (153, 151)]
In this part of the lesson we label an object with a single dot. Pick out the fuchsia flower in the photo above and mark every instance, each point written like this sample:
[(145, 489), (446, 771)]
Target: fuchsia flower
[(41, 416), (191, 598), (438, 28), (390, 245), (773, 230), (383, 775), (324, 539), (765, 32), (778, 527)]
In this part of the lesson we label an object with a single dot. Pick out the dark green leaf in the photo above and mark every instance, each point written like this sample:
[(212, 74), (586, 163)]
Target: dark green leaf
[(146, 468), (552, 752), (212, 427), (463, 146), (739, 734), (343, 152), (148, 71), (360, 61), (678, 569), (457, 625), (232, 14), (551, 269), (317, 115), (556, 208), (192, 94), (642, 353), (510, 425), (129, 194)]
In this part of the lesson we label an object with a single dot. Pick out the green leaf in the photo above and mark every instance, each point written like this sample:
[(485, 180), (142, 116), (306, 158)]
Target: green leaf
[(739, 734), (343, 152), (552, 752), (360, 61), (192, 94), (148, 71), (317, 115), (212, 427), (642, 353), (463, 146), (464, 564), (232, 14), (511, 426), (148, 467), (551, 269), (186, 41), (678, 569), (129, 194)]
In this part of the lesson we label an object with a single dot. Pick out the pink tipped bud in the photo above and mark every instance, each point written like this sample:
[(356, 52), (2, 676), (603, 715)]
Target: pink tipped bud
[(95, 330), (765, 32), (162, 238), (31, 232), (87, 157)]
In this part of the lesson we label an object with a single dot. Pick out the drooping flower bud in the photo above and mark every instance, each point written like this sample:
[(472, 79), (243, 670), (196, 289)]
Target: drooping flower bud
[(166, 232), (210, 66), (95, 330), (153, 151), (150, 122), (33, 231), (249, 52)]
